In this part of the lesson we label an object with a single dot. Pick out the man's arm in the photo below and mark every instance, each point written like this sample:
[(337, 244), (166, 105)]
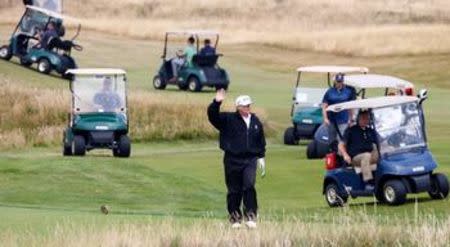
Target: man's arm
[(214, 116), (342, 146), (324, 109)]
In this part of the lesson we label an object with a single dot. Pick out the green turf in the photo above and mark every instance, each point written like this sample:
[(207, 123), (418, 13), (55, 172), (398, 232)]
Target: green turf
[(39, 187)]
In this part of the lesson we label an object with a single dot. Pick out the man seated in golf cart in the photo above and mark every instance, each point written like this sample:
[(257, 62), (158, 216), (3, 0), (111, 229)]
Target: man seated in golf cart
[(177, 62), (107, 100), (339, 93), (190, 50), (207, 50), (359, 147), (46, 36)]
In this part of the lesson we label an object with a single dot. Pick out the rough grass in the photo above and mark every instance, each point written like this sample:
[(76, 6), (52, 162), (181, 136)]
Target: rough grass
[(37, 117), (345, 230), (353, 27)]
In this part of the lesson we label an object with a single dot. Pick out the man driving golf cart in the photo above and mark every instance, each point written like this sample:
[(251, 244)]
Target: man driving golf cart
[(358, 147), (51, 53), (197, 71), (107, 99), (366, 85), (404, 163), (99, 112)]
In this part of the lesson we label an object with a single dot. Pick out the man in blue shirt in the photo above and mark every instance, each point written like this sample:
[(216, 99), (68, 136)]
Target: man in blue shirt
[(339, 93), (208, 50)]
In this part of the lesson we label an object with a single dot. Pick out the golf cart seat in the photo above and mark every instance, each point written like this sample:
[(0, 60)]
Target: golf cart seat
[(205, 61)]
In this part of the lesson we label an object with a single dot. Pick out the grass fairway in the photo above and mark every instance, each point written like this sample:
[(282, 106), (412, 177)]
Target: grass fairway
[(41, 189)]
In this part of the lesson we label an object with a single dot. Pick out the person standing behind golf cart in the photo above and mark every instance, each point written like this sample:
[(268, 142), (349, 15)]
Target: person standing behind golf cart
[(242, 139), (177, 62), (190, 50), (359, 147), (207, 50), (107, 99), (339, 93)]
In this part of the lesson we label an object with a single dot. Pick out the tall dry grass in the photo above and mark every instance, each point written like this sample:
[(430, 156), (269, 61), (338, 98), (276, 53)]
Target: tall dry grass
[(352, 27), (346, 230), (37, 117)]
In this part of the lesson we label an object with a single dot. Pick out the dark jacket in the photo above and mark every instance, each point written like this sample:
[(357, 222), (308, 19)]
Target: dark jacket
[(235, 139)]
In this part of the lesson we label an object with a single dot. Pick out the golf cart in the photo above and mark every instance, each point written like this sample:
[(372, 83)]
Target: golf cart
[(306, 110), (405, 163), (24, 43), (98, 117), (203, 71), (378, 85)]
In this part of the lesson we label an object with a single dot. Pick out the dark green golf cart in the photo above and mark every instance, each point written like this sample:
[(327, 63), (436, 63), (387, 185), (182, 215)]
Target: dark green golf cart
[(202, 71), (24, 44), (98, 117)]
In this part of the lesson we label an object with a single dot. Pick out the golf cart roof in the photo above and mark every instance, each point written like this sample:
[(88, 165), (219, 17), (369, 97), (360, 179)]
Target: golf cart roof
[(194, 32), (46, 12), (372, 103), (376, 81), (53, 14), (332, 69), (96, 72)]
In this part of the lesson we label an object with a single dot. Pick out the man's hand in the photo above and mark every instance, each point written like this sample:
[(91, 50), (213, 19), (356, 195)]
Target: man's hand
[(347, 158), (220, 95), (262, 166)]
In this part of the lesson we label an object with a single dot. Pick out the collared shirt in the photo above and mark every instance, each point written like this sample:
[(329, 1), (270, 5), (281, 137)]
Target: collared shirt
[(359, 140), (247, 120), (189, 51), (208, 51), (336, 96)]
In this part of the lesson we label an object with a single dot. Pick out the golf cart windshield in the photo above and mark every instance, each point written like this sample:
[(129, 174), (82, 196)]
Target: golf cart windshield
[(52, 5), (399, 128), (34, 21), (309, 97), (99, 93)]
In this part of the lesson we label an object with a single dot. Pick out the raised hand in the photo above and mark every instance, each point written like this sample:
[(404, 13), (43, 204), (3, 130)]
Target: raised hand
[(220, 95)]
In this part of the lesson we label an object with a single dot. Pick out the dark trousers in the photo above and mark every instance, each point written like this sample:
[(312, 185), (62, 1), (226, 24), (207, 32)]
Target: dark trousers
[(240, 175)]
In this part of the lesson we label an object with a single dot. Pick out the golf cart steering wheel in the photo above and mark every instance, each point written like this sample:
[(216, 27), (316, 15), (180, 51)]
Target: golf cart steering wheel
[(77, 47)]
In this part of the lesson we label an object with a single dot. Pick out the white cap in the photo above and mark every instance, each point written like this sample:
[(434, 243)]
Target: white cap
[(243, 100)]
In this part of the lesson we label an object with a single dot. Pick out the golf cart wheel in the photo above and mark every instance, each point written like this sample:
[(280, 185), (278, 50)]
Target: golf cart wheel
[(394, 192), (334, 197), (439, 186), (311, 150), (123, 148), (194, 84), (44, 66), (289, 136), (25, 62), (79, 145), (5, 53), (158, 83)]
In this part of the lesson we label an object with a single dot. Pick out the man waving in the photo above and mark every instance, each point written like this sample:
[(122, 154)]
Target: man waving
[(242, 139)]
